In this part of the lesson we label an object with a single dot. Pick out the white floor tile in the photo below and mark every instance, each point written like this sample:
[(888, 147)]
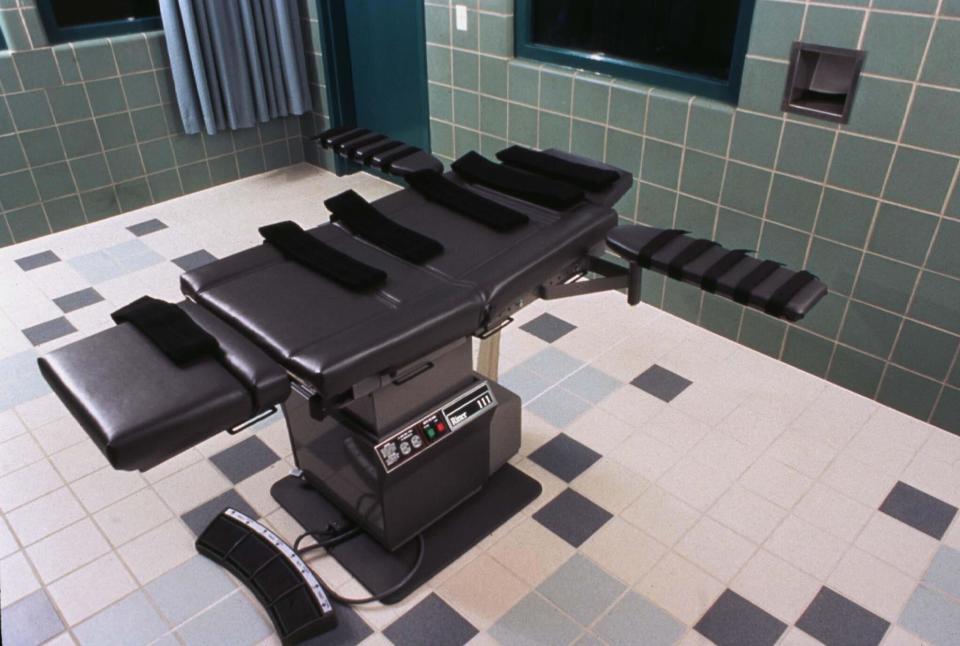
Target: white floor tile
[(661, 514), (106, 486), (878, 587), (680, 588), (623, 550), (531, 551), (67, 549), (776, 586), (158, 551), (191, 487), (45, 515), (811, 549), (720, 551), (130, 517), (91, 588), (18, 579)]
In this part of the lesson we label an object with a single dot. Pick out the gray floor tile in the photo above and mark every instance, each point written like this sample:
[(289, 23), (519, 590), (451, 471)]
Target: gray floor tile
[(548, 327), (36, 260), (432, 622), (661, 383), (572, 517), (193, 260), (96, 267), (559, 407), (244, 459), (634, 616), (350, 630), (189, 588), (944, 571), (837, 621), (591, 384), (564, 457), (198, 518), (49, 330), (76, 300), (32, 620), (552, 364), (148, 226), (524, 383), (919, 509), (581, 589), (20, 379), (932, 616), (734, 621), (131, 621), (232, 622), (534, 621)]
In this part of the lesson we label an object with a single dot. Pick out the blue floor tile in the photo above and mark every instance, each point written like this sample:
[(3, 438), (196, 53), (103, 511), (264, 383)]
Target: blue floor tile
[(20, 379), (129, 622), (524, 383), (591, 384), (232, 622), (944, 571), (634, 616), (534, 621), (189, 588), (552, 364), (933, 616), (30, 621), (559, 407)]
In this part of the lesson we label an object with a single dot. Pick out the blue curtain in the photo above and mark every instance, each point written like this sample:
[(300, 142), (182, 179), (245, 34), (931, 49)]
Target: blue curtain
[(235, 62)]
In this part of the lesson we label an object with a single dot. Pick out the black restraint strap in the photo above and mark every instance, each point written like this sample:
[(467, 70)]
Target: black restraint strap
[(777, 304), (386, 161), (169, 328), (760, 273), (693, 251), (364, 220), (588, 177), (343, 137), (437, 188), (366, 155), (538, 189), (658, 242), (347, 148), (719, 268), (301, 247), (331, 132)]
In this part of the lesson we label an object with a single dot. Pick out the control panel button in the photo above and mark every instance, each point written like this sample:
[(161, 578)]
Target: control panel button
[(405, 448), (416, 441)]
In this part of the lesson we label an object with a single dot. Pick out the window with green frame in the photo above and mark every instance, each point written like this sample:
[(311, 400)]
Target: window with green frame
[(68, 20), (695, 46)]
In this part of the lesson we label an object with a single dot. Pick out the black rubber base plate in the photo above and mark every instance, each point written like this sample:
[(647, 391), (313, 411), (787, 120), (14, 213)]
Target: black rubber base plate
[(506, 493)]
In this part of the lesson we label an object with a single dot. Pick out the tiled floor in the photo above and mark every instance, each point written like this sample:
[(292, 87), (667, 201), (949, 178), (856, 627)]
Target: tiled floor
[(693, 490)]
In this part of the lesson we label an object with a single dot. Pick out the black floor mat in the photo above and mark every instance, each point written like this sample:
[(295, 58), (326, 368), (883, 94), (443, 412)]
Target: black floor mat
[(505, 494)]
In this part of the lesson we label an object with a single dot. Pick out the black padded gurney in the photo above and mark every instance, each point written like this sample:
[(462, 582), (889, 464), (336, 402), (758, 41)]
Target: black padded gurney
[(141, 409)]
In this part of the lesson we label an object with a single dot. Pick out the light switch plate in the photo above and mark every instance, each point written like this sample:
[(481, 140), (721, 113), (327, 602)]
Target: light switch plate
[(461, 13)]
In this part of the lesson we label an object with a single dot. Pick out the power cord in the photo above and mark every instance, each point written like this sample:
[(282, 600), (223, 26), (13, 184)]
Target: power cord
[(333, 535)]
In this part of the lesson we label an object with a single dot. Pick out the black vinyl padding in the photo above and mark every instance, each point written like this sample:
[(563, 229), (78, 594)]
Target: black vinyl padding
[(732, 274), (340, 137), (169, 328), (386, 159), (347, 149), (365, 221), (365, 152), (462, 201), (588, 176), (296, 244), (551, 193)]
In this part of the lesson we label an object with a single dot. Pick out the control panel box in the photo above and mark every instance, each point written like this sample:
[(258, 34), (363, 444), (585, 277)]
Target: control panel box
[(405, 445)]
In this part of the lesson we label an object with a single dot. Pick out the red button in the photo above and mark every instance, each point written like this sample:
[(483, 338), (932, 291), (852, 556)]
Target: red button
[(441, 427)]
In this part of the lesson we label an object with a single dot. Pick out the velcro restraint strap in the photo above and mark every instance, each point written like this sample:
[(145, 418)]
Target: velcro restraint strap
[(719, 268), (386, 161), (169, 328), (301, 247), (324, 136), (348, 148), (693, 251), (365, 221), (437, 188), (760, 273), (376, 150), (551, 193), (777, 304), (658, 242), (588, 177)]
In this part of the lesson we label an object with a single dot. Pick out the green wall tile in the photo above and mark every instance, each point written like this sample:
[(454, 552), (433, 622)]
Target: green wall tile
[(524, 83), (745, 188), (140, 89), (438, 64), (738, 231), (794, 202), (696, 216), (69, 103), (784, 245), (134, 194), (954, 378), (667, 115), (879, 107), (106, 96), (188, 149), (626, 206), (90, 172), (27, 223), (709, 126), (656, 207), (30, 109), (272, 130), (195, 177), (466, 109), (249, 161), (807, 351), (855, 371), (493, 116), (124, 163), (6, 121), (493, 76), (276, 155), (95, 58), (925, 350), (950, 8), (947, 413), (556, 91), (762, 86), (896, 44), (148, 123), (825, 318), (116, 130), (755, 139), (523, 124), (927, 126), (42, 146), (132, 53), (915, 6), (628, 107), (681, 299), (67, 62), (869, 329), (833, 26), (11, 154), (661, 163), (165, 185), (940, 66), (554, 131), (9, 79), (441, 102), (14, 31), (624, 151), (860, 164), (157, 155), (54, 180), (885, 283), (100, 203), (937, 302), (762, 333), (466, 39), (721, 315), (64, 213), (437, 24), (945, 254), (902, 234), (920, 179), (490, 146), (845, 217), (464, 141), (80, 138), (17, 189), (835, 264), (31, 18), (591, 98), (37, 68), (908, 393), (587, 139), (702, 175), (775, 26), (805, 151)]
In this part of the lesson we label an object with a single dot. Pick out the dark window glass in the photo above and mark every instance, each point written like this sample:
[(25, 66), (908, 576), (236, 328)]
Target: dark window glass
[(692, 36), (73, 13)]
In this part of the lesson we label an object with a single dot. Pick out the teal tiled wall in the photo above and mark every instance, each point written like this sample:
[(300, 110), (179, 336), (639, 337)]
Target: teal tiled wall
[(871, 206), (91, 129)]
